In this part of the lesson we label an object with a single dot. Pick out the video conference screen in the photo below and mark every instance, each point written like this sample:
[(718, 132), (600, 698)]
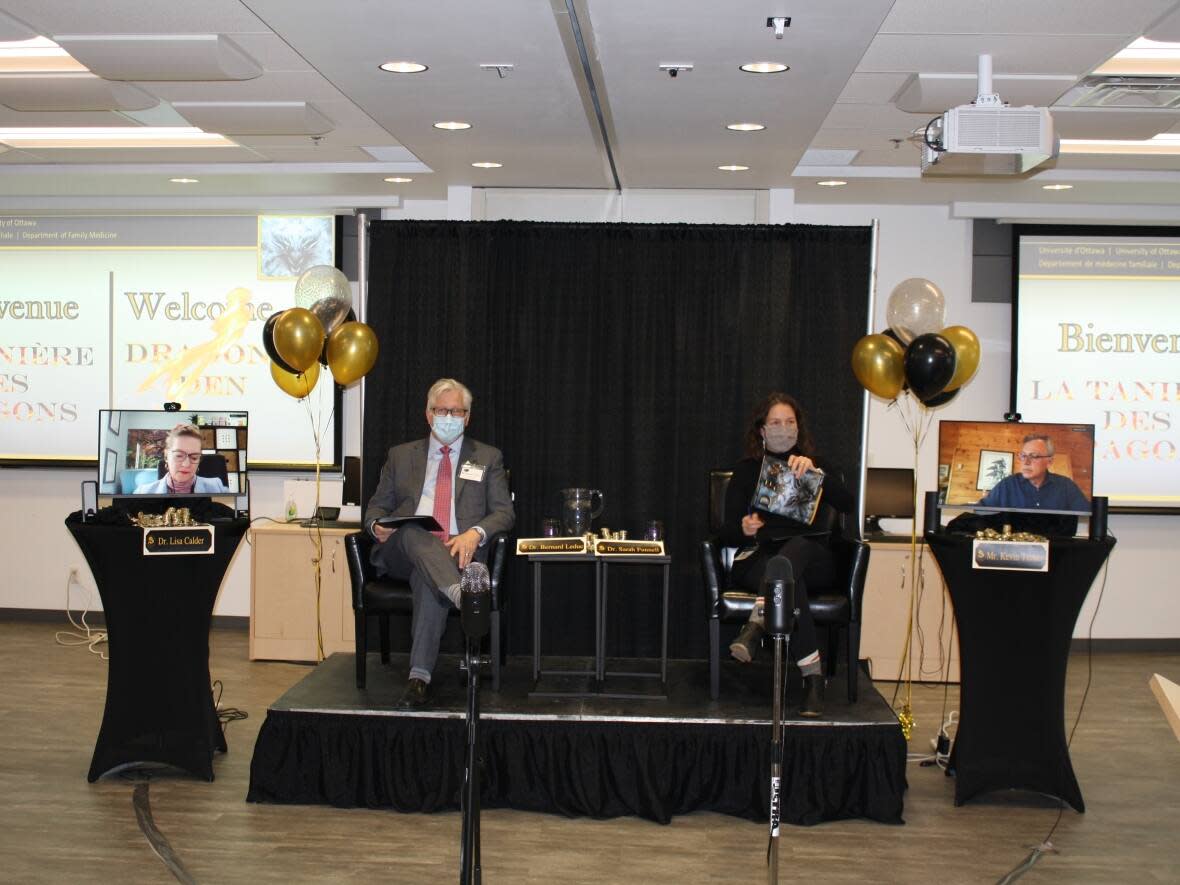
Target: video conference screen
[(149, 453), (975, 457), (1097, 340), (131, 312)]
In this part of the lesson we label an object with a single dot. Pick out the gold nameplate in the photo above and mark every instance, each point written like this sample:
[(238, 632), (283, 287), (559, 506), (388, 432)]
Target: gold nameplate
[(178, 541), (550, 545), (1011, 556), (629, 548)]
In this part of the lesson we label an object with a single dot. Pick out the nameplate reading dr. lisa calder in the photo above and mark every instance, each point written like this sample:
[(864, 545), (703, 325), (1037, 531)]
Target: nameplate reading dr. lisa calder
[(1011, 556), (185, 541)]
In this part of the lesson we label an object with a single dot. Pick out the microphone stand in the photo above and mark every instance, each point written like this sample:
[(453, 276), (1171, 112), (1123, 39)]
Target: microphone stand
[(782, 638), (469, 864)]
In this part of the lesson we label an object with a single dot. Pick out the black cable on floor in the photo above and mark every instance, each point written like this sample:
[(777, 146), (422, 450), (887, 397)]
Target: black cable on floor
[(157, 840)]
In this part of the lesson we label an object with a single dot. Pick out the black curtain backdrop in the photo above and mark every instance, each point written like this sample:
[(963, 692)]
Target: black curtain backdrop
[(620, 357)]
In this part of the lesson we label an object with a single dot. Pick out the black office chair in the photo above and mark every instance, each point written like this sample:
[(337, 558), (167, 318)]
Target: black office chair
[(836, 607), (379, 597), (209, 465)]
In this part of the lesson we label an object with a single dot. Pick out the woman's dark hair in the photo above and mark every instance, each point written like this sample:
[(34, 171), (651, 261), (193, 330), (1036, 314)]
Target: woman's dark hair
[(754, 447)]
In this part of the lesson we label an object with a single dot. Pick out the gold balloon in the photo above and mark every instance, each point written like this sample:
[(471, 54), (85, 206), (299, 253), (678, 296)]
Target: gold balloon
[(879, 365), (299, 385), (299, 337), (967, 351), (352, 351)]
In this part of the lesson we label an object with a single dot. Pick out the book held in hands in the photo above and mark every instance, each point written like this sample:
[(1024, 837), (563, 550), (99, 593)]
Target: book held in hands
[(780, 492)]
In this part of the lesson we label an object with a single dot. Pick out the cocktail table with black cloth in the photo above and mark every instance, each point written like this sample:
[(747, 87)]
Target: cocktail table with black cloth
[(159, 705), (1015, 630)]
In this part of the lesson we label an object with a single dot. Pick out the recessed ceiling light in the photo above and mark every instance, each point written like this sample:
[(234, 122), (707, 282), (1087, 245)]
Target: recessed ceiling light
[(1164, 143), (487, 165), (110, 136), (1144, 57), (765, 67), (404, 67), (37, 56), (832, 182), (745, 127), (734, 168), (185, 180), (396, 180), (1056, 187), (452, 125)]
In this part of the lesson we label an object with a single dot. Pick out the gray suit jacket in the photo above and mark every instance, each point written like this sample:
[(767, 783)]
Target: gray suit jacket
[(486, 504)]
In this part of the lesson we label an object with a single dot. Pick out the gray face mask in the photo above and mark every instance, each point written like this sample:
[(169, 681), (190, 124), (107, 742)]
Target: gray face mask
[(779, 439)]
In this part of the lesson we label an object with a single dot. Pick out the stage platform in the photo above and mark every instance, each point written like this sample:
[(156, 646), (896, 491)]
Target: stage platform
[(327, 743)]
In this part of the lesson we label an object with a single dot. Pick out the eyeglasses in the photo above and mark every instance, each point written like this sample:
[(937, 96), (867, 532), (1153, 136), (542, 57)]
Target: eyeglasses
[(177, 455), (455, 413), (1026, 458)]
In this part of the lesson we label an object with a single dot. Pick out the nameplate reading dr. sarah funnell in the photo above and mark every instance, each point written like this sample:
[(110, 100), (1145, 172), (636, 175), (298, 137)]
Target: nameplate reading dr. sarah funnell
[(186, 541), (1013, 556)]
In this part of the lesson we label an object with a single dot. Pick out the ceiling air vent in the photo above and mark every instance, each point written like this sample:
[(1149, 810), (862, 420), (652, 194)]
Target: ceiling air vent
[(1123, 92)]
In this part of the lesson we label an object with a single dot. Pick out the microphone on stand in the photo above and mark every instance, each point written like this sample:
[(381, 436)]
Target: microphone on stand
[(475, 606), (778, 589), (475, 589)]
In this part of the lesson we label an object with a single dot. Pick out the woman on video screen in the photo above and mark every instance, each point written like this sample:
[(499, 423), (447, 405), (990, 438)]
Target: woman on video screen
[(182, 455)]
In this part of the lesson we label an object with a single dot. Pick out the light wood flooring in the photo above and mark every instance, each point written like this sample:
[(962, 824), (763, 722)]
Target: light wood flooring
[(55, 827)]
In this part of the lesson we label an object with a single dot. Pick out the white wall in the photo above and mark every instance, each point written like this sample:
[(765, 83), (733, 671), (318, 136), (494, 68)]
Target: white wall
[(921, 241)]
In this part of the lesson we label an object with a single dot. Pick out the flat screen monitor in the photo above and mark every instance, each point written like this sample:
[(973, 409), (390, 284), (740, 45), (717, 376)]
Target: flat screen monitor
[(1016, 466), (889, 494), (146, 453)]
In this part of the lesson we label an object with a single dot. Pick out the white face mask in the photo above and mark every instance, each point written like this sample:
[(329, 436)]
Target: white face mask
[(447, 428), (779, 439)]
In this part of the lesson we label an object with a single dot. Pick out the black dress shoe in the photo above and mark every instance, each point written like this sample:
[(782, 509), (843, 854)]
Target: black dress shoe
[(416, 694), (812, 705)]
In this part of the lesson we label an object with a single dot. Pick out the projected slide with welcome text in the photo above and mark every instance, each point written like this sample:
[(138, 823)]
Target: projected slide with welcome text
[(1098, 341), (134, 312)]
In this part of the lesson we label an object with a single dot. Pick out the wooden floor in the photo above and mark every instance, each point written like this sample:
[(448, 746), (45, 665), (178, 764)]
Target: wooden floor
[(55, 827)]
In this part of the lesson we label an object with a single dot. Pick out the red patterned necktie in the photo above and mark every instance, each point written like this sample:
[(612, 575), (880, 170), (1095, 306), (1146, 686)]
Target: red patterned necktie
[(442, 495)]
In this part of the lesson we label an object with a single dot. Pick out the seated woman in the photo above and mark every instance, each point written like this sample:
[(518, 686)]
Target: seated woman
[(778, 428), (182, 454)]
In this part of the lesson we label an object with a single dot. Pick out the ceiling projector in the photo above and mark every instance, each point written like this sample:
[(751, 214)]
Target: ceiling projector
[(987, 137), (974, 140)]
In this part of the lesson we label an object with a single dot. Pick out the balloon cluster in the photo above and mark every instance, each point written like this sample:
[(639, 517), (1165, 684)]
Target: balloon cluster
[(917, 353), (321, 330)]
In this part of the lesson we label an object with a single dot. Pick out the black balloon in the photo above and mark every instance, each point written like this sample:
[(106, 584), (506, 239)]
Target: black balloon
[(268, 342), (350, 318), (941, 399), (929, 365)]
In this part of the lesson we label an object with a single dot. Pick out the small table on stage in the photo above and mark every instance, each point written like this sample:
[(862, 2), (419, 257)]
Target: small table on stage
[(158, 608), (1015, 629), (599, 674)]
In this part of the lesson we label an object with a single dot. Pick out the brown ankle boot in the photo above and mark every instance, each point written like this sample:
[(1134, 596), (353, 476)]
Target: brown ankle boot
[(747, 643)]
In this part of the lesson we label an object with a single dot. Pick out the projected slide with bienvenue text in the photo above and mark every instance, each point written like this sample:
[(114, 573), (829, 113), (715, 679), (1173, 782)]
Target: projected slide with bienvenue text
[(1098, 341)]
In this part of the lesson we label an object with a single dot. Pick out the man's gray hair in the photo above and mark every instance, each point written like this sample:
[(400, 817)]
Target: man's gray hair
[(1043, 437), (443, 385)]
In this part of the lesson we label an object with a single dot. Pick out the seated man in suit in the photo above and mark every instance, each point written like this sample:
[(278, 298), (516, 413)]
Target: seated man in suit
[(462, 484), (182, 456)]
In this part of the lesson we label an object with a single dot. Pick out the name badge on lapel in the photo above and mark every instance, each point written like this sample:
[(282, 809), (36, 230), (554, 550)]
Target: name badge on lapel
[(473, 472)]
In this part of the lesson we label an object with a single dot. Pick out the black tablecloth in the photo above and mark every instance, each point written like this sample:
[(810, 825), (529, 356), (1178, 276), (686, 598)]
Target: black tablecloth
[(1015, 630), (159, 705)]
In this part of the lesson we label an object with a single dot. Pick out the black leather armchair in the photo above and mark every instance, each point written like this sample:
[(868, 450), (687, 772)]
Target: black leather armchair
[(378, 597), (837, 607)]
